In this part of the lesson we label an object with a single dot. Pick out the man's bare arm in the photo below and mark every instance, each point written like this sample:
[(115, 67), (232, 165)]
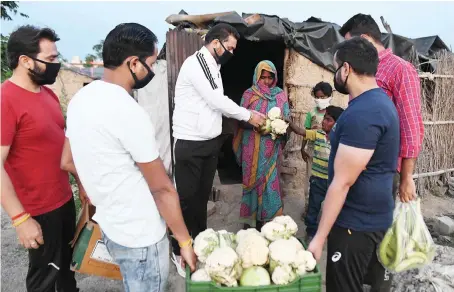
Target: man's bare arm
[(166, 197), (67, 164), (29, 232), (168, 204), (9, 199), (407, 187), (407, 168), (348, 165)]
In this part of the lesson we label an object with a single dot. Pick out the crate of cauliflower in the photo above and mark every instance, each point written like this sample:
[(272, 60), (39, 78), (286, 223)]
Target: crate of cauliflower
[(270, 260)]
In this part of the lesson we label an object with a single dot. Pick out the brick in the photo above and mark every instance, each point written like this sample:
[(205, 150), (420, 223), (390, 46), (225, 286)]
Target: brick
[(444, 225)]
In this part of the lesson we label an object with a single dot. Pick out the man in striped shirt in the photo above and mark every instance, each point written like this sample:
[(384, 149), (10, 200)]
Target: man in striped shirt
[(319, 178), (200, 104)]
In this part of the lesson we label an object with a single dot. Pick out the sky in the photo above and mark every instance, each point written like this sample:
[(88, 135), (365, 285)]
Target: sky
[(80, 24)]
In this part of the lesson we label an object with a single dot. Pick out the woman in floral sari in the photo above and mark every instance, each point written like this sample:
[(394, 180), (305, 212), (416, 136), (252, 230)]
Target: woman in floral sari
[(258, 153)]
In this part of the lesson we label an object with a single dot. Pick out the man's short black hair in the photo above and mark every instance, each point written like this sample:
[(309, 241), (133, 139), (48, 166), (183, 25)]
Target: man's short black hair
[(362, 24), (334, 112), (126, 40), (25, 41), (221, 32), (360, 54), (324, 87)]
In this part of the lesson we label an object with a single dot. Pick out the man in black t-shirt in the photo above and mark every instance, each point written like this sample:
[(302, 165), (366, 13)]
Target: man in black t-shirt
[(359, 205)]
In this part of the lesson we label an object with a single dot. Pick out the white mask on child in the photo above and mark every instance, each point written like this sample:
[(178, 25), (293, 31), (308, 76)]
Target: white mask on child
[(323, 103)]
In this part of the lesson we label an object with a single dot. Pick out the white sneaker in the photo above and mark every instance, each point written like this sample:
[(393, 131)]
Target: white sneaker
[(177, 260)]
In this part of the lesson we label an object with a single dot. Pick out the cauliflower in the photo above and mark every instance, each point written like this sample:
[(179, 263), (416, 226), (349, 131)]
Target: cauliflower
[(283, 275), (253, 251), (266, 128), (278, 126), (310, 261), (224, 267), (301, 270), (298, 245), (200, 276), (282, 227), (242, 234), (282, 253), (273, 231), (227, 239), (289, 224), (304, 262), (274, 113), (205, 243)]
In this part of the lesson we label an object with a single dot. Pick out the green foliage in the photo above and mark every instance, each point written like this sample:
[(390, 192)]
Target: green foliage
[(6, 71), (7, 8), (75, 189), (88, 60), (98, 49)]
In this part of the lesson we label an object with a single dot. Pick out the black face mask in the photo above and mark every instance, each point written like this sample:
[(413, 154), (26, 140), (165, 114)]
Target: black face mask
[(340, 86), (225, 57), (144, 81), (47, 76)]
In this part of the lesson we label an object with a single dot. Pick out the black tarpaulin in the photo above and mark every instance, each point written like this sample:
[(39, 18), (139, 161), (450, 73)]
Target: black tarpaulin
[(316, 39), (429, 46)]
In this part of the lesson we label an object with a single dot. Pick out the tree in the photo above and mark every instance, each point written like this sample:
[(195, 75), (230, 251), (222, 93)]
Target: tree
[(88, 60), (6, 71), (98, 49), (7, 8)]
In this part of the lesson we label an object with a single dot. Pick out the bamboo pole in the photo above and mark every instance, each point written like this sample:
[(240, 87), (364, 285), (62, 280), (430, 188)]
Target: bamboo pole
[(433, 173), (438, 122), (432, 76)]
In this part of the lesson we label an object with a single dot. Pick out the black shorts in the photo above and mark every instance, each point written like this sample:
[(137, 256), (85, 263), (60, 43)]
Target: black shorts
[(352, 261)]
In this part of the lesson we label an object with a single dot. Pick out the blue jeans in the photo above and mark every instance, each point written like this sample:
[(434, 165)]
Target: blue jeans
[(144, 269), (317, 192)]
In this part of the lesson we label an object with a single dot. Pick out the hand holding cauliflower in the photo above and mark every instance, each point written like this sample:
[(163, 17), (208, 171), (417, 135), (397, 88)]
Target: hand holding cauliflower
[(274, 124)]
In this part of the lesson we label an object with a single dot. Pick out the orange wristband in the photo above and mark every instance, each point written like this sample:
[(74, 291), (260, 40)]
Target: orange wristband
[(21, 220), (18, 216)]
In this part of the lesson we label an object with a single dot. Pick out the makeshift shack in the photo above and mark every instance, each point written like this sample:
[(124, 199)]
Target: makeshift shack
[(302, 53)]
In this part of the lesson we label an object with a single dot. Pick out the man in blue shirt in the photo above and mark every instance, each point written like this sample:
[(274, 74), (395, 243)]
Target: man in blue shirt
[(359, 203)]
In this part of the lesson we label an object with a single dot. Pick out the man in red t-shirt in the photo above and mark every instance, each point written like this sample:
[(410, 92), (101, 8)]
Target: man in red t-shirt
[(35, 192)]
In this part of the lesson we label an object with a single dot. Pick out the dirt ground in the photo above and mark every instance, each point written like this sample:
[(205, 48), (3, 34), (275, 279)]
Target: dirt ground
[(14, 258)]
